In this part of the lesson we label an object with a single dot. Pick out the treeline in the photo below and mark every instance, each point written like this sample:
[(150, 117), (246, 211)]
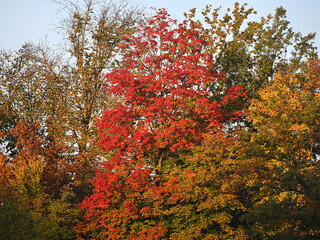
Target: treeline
[(143, 127)]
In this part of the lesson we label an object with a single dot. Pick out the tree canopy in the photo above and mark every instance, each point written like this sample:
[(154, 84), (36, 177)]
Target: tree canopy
[(144, 127)]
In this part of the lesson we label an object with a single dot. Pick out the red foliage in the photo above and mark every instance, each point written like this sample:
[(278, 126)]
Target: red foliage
[(164, 108)]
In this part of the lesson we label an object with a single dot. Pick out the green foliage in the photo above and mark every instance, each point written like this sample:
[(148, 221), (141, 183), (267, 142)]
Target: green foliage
[(55, 221)]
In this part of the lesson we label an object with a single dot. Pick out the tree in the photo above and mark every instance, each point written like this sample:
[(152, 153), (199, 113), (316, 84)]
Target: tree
[(49, 105), (93, 35), (66, 93), (201, 199), (250, 52), (35, 180), (181, 156), (94, 32), (286, 146), (164, 110), (177, 95)]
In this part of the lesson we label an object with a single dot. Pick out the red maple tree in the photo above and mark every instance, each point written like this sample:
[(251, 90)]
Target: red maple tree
[(165, 108)]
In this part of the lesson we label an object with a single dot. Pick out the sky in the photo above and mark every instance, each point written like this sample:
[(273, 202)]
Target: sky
[(36, 20)]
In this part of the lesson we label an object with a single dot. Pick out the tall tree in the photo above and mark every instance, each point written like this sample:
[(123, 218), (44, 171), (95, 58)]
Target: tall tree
[(164, 110), (250, 52), (175, 101), (60, 95), (93, 35), (66, 93), (286, 147)]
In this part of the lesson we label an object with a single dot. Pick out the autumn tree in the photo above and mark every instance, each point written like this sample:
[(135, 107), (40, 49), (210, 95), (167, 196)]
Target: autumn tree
[(33, 205), (181, 88), (164, 110), (181, 155), (60, 95), (283, 157), (247, 52), (92, 37), (93, 33), (65, 93)]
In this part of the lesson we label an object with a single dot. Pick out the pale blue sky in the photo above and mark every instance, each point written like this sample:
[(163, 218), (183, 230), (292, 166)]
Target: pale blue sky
[(32, 20)]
